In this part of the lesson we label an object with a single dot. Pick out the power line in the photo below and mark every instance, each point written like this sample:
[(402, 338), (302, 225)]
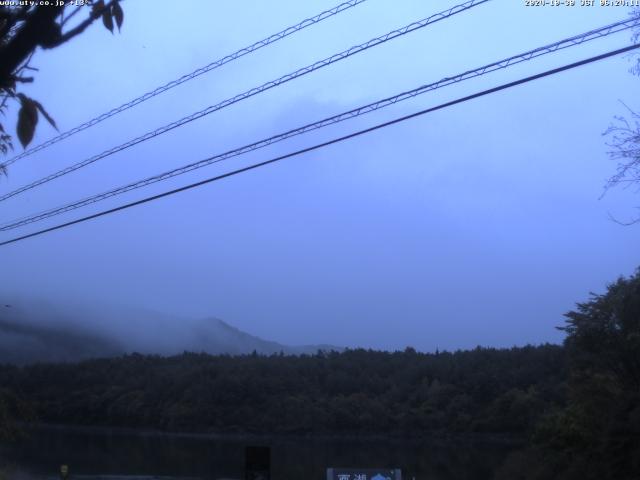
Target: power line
[(513, 60), (190, 76), (254, 91), (330, 142)]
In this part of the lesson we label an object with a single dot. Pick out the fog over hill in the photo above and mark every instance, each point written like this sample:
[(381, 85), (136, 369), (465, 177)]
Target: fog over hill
[(43, 332)]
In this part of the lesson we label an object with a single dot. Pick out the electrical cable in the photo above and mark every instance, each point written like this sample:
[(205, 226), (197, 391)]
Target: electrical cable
[(330, 142), (513, 60), (190, 76), (254, 91)]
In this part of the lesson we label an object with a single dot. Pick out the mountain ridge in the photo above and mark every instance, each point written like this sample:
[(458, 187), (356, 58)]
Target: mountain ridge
[(30, 336)]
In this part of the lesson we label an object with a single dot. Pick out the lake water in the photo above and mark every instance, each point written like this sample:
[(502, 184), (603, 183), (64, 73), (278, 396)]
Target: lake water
[(109, 452)]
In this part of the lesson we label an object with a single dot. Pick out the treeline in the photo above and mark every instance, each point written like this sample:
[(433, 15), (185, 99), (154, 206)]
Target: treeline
[(354, 392), (577, 404)]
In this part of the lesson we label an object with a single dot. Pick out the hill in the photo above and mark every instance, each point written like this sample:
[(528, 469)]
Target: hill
[(43, 333)]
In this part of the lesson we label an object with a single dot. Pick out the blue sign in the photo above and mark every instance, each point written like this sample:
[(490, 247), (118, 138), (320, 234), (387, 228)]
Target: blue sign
[(363, 474)]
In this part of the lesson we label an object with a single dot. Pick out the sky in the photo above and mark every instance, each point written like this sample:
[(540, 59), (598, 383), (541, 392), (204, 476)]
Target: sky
[(479, 224)]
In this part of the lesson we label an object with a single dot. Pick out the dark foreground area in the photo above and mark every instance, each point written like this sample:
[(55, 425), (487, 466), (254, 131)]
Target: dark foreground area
[(93, 451), (576, 406)]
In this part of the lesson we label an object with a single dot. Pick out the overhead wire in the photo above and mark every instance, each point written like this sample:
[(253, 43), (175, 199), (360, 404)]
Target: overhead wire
[(358, 133), (189, 76), (371, 107), (254, 91)]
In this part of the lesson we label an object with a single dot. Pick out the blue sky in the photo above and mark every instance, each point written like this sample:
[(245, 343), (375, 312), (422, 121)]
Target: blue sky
[(478, 224)]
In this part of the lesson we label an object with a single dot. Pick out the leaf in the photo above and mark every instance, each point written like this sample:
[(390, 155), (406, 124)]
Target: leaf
[(46, 115), (118, 14), (107, 20), (96, 7), (27, 120)]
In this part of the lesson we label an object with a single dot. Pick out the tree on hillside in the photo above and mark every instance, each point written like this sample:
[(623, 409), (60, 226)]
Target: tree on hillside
[(24, 29), (598, 434), (603, 334)]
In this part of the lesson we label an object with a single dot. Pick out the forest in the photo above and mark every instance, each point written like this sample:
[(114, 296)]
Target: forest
[(575, 406), (354, 392)]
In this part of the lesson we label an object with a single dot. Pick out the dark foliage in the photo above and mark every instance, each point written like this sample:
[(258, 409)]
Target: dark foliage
[(597, 435), (26, 27), (13, 411), (354, 392)]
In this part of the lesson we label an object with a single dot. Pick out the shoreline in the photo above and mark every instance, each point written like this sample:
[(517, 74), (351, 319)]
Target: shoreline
[(506, 440)]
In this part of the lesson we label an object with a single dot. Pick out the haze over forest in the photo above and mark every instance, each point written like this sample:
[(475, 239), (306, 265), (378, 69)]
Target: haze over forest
[(41, 332), (420, 271)]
